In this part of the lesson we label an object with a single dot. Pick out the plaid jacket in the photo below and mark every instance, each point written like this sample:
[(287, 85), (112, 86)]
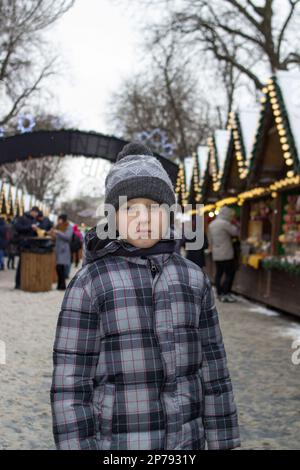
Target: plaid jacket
[(139, 360)]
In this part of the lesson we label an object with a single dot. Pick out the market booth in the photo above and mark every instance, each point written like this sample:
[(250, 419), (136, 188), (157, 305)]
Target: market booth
[(259, 177), (270, 205)]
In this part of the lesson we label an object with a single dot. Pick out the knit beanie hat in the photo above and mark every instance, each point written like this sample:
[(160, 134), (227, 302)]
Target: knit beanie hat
[(137, 173)]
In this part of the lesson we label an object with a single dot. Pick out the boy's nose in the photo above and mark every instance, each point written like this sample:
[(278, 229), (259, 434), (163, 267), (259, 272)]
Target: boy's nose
[(143, 215)]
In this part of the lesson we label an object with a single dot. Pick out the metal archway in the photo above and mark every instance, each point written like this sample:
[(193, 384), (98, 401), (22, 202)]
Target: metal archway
[(41, 143)]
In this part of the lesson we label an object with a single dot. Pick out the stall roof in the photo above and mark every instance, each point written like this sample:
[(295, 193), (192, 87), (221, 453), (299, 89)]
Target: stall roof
[(203, 153), (248, 119), (222, 139)]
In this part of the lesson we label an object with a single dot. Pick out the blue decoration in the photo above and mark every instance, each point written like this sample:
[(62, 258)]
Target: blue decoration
[(26, 123), (158, 140)]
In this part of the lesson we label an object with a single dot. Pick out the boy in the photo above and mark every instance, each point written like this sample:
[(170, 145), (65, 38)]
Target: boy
[(139, 361)]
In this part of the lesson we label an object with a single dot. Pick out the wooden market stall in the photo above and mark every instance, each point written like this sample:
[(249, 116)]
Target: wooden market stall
[(270, 215), (255, 169)]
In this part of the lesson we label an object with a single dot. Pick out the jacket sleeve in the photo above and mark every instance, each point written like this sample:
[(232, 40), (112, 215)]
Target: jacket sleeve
[(67, 235), (3, 231), (22, 226), (75, 357), (220, 413), (232, 229)]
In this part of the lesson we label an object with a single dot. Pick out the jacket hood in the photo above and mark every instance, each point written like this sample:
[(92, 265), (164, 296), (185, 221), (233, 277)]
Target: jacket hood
[(225, 213), (95, 248)]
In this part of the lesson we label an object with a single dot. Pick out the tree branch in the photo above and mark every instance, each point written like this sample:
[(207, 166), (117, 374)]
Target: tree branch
[(293, 5)]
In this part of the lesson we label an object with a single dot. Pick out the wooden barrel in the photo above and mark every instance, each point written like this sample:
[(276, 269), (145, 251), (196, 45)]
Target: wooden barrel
[(36, 271), (54, 272)]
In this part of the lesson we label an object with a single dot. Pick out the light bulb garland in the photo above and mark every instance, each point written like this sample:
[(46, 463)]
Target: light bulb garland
[(12, 202), (271, 190), (180, 185), (195, 179), (272, 93), (238, 144), (213, 164)]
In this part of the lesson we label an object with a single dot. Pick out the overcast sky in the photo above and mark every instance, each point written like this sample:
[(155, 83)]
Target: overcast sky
[(98, 44)]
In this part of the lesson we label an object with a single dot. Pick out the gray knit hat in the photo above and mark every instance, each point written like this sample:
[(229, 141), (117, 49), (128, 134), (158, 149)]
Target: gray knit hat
[(137, 173)]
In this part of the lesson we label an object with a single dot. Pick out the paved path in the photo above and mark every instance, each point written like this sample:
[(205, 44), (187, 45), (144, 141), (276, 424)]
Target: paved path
[(259, 349)]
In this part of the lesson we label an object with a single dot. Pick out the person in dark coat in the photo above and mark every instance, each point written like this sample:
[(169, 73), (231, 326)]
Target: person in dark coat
[(139, 360), (44, 222), (11, 249), (198, 255), (3, 242), (26, 227)]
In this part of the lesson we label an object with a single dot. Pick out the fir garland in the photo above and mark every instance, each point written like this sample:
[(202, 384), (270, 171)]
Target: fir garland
[(281, 264)]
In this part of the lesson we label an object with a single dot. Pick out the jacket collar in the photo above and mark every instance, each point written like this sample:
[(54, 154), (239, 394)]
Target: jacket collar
[(95, 248)]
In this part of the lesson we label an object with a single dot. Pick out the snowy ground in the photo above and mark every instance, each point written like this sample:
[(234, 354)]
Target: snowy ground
[(259, 349)]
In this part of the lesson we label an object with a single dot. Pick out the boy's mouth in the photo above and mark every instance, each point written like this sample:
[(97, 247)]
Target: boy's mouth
[(143, 233)]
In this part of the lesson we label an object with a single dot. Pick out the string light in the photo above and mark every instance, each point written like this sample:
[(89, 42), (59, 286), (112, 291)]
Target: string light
[(12, 201), (270, 94), (238, 147)]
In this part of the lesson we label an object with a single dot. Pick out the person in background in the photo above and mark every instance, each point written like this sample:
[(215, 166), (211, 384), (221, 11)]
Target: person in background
[(62, 233), (76, 244), (220, 234), (11, 249), (44, 223), (3, 242), (197, 256), (26, 227)]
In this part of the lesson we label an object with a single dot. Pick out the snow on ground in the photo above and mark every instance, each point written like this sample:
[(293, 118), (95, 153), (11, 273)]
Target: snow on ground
[(259, 348)]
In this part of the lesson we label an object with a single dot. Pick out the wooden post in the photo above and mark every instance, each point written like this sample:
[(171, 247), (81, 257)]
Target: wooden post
[(276, 222), (245, 215)]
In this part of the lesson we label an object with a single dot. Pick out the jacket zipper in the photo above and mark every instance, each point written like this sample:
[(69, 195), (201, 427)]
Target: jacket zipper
[(155, 269)]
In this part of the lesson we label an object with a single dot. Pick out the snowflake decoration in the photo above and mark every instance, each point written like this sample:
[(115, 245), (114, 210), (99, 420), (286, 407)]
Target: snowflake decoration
[(26, 123), (158, 140)]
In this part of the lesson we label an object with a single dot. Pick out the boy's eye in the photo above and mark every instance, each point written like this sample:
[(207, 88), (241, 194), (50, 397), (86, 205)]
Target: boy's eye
[(132, 209), (135, 209)]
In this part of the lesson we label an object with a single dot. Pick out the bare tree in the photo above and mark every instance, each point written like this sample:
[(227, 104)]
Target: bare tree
[(25, 61), (166, 98), (264, 34), (82, 209)]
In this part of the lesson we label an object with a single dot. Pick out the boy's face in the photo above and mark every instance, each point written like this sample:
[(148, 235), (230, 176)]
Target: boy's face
[(142, 222)]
